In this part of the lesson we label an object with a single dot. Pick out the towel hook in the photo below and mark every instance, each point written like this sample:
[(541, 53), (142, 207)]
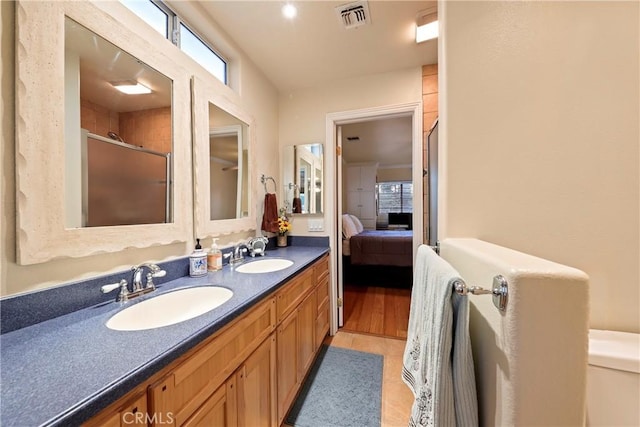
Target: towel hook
[(500, 291), (264, 179)]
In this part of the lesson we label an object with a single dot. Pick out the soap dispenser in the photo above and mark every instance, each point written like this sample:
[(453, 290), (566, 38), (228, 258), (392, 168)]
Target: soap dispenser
[(214, 257), (198, 261)]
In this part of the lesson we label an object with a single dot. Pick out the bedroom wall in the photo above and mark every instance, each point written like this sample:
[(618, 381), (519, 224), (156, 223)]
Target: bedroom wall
[(539, 108), (258, 96), (302, 114), (394, 174)]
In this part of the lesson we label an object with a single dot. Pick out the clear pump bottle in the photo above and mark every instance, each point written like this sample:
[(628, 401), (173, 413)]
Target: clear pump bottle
[(214, 257)]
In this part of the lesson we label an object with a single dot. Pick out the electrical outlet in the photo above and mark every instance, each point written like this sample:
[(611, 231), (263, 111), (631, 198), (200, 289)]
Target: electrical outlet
[(315, 225)]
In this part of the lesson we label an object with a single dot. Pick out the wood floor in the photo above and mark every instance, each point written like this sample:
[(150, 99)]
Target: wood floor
[(397, 399), (382, 311)]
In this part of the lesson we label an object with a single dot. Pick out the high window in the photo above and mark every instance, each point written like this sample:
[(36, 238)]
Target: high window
[(395, 196), (161, 18)]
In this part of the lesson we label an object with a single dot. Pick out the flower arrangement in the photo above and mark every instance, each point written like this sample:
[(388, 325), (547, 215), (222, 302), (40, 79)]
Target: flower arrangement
[(284, 226)]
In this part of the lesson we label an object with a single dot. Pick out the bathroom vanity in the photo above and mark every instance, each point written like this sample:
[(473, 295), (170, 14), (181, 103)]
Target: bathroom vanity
[(239, 364), (247, 374)]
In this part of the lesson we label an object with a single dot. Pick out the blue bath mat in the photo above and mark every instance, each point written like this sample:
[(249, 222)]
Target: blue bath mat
[(343, 389)]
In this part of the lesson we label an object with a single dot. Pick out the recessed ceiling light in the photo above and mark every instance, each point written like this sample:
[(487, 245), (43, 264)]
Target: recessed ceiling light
[(131, 88), (289, 11)]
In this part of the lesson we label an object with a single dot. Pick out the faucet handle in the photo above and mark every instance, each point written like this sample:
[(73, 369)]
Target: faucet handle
[(111, 287), (151, 275), (123, 295), (159, 273), (122, 284)]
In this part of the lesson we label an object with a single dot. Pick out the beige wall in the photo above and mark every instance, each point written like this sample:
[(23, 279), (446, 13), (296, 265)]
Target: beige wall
[(540, 127), (394, 174), (302, 114), (259, 98)]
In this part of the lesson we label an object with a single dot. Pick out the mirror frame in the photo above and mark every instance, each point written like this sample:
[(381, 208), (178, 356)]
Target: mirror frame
[(286, 182), (203, 93), (40, 199)]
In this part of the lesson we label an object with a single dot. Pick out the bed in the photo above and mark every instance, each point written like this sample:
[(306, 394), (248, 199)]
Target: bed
[(377, 247)]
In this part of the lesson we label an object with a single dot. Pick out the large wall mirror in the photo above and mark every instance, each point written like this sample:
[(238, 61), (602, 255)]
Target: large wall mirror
[(118, 138), (228, 165), (302, 175), (223, 135), (97, 170)]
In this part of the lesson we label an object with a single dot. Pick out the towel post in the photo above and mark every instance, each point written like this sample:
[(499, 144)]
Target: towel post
[(500, 291)]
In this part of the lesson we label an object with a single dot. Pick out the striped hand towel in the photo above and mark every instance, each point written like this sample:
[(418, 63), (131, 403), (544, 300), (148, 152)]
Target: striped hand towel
[(438, 364)]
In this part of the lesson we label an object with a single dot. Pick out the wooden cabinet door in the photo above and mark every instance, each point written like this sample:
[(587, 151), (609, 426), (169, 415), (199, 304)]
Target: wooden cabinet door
[(256, 387), (287, 362), (219, 410), (198, 376), (306, 334)]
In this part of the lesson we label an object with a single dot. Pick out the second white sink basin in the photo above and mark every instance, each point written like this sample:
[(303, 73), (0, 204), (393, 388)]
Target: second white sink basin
[(170, 308), (265, 265)]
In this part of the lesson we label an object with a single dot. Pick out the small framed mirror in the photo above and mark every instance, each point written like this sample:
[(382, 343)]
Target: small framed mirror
[(223, 140), (302, 175)]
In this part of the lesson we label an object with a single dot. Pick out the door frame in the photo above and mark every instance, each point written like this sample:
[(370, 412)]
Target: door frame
[(334, 204)]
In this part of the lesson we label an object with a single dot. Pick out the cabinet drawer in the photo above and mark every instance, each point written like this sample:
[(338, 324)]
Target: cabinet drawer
[(322, 293), (192, 382), (292, 294), (321, 269), (132, 413)]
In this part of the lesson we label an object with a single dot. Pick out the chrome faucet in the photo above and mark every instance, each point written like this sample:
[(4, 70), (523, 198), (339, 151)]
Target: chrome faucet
[(137, 288), (236, 255), (154, 271), (255, 246)]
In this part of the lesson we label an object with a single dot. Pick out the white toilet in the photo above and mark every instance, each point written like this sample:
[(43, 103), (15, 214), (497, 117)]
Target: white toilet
[(613, 379)]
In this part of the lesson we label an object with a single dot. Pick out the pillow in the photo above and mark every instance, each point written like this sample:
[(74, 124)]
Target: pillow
[(357, 223), (348, 227)]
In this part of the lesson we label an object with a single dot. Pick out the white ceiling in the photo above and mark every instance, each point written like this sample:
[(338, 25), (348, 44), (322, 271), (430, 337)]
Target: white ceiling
[(314, 49), (383, 141)]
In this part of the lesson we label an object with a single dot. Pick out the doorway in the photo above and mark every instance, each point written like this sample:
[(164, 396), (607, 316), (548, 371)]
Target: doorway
[(370, 298)]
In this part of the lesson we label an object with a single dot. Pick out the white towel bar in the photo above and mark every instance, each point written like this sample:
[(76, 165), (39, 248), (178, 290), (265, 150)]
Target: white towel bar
[(500, 291)]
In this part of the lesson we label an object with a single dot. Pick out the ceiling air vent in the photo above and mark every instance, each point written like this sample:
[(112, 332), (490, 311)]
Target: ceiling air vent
[(353, 15)]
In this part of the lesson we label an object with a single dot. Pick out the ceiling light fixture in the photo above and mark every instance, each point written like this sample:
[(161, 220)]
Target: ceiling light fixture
[(427, 26), (131, 87), (289, 11)]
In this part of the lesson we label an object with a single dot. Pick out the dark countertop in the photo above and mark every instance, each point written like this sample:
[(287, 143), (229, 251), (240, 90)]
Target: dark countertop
[(65, 370)]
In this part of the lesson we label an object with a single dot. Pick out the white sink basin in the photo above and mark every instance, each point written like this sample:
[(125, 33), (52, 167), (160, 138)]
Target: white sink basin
[(265, 265), (170, 308)]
